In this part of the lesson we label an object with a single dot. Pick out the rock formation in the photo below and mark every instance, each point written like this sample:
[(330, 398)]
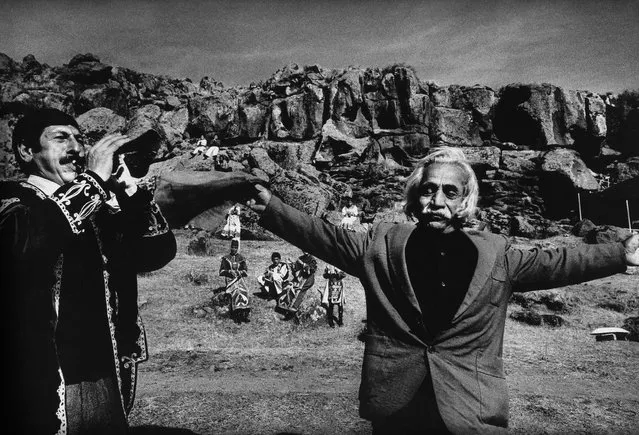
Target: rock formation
[(317, 134)]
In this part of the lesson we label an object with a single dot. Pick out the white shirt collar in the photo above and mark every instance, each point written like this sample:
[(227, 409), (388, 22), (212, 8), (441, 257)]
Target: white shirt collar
[(46, 186)]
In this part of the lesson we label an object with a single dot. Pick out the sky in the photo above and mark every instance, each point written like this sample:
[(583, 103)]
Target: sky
[(578, 44)]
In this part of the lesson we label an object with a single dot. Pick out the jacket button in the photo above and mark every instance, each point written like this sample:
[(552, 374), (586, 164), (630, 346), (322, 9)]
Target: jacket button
[(430, 349), (443, 284)]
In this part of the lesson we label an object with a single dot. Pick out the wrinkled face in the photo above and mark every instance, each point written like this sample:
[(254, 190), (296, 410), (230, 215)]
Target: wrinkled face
[(441, 195), (60, 156)]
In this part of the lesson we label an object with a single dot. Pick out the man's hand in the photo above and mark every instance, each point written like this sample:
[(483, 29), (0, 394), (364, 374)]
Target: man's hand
[(260, 200), (632, 250), (100, 156), (123, 179)]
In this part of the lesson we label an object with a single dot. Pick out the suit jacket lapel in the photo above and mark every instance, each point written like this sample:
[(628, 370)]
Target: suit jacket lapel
[(396, 247), (486, 255)]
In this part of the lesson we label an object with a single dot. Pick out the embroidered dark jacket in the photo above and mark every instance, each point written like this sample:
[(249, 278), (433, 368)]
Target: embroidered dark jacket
[(37, 234)]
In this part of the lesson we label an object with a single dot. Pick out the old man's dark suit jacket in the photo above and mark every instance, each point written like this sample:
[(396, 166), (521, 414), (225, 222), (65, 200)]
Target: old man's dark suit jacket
[(465, 360)]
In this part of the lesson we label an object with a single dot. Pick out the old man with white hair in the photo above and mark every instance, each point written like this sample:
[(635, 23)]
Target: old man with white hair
[(437, 296)]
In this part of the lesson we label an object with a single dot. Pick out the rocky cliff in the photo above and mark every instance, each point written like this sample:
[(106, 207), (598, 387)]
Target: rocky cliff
[(318, 134)]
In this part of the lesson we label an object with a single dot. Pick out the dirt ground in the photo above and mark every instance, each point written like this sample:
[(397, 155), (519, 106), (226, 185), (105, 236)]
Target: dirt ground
[(208, 375)]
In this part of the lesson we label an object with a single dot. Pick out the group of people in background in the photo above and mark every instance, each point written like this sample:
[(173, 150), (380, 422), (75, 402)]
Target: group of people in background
[(220, 160), (286, 282)]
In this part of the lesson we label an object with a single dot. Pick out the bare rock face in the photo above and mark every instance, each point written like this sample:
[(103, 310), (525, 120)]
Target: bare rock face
[(622, 116), (215, 114), (260, 159), (519, 162), (100, 121), (301, 192), (358, 131), (539, 115), (454, 127), (336, 142), (563, 175), (290, 155), (299, 116), (173, 124), (86, 69), (566, 163), (253, 112), (7, 65), (110, 95), (596, 116)]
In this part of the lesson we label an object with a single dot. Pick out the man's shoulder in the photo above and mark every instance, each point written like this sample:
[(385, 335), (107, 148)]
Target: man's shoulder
[(14, 193)]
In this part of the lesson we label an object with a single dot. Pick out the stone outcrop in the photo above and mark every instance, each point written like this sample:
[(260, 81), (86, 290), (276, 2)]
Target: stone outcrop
[(317, 134)]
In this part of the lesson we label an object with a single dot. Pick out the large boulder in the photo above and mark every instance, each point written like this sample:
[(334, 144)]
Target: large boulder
[(215, 114), (614, 205), (7, 65), (86, 69), (301, 192), (519, 162), (454, 127), (395, 98), (173, 124), (622, 117), (539, 115), (346, 100), (567, 164), (564, 175), (100, 121), (298, 116), (259, 159), (110, 95), (253, 112), (290, 155), (336, 142)]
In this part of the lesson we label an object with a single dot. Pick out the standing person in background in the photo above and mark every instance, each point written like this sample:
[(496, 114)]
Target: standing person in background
[(73, 237), (350, 214), (232, 228), (437, 297), (303, 279), (273, 279), (333, 295), (233, 269)]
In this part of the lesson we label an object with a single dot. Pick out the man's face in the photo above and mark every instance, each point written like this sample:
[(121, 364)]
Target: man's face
[(61, 154), (441, 194), (276, 260), (233, 249)]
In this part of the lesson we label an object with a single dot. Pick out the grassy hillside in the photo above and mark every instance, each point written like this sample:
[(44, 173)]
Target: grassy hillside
[(207, 374)]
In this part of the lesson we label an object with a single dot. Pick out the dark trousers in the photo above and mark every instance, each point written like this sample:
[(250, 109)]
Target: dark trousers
[(420, 416), (95, 408), (330, 314)]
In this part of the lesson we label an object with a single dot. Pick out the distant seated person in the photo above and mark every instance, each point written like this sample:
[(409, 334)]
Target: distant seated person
[(213, 150), (200, 147), (349, 215), (303, 279), (223, 163), (271, 282), (233, 268)]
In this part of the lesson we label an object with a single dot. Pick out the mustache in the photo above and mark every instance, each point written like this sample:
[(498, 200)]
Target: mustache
[(73, 158)]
